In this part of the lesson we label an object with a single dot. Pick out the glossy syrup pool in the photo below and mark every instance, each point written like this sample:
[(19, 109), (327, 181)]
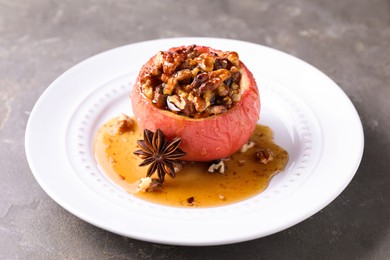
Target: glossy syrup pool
[(245, 176)]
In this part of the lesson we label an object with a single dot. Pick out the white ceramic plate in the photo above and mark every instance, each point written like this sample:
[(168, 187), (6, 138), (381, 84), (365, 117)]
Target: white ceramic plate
[(311, 116)]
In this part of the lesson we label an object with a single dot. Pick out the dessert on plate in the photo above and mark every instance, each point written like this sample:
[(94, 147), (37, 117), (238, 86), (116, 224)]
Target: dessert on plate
[(206, 97), (195, 119)]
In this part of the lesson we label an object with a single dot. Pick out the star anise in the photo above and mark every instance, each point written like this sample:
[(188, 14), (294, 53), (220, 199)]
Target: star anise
[(159, 153)]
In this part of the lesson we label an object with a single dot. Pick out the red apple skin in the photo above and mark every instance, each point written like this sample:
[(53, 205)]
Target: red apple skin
[(204, 139)]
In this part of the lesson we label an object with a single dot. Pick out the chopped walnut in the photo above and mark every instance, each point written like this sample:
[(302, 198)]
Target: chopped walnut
[(177, 167), (248, 145), (123, 124), (218, 167), (147, 89), (233, 58), (159, 97), (178, 101), (264, 155), (144, 184), (149, 185), (205, 61), (200, 104), (191, 82)]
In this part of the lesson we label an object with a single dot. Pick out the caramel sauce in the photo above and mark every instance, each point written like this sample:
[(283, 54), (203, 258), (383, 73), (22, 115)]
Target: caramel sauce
[(245, 175)]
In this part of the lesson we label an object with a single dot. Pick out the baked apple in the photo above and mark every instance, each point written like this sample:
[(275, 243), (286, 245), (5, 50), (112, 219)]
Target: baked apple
[(205, 96)]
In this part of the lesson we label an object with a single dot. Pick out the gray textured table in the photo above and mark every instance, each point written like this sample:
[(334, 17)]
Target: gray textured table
[(348, 40)]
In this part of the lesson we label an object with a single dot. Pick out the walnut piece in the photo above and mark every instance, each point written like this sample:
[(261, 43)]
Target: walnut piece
[(218, 167), (264, 155), (123, 124), (149, 185), (248, 145), (178, 167)]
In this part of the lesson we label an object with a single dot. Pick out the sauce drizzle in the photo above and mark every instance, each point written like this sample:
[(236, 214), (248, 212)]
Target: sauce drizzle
[(245, 176)]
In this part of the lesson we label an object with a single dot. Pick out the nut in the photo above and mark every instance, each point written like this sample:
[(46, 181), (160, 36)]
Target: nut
[(264, 155), (206, 62), (223, 90), (222, 74), (170, 86), (123, 124), (149, 185), (147, 89), (177, 167), (219, 167), (178, 101), (200, 104), (248, 145), (159, 98), (233, 58)]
